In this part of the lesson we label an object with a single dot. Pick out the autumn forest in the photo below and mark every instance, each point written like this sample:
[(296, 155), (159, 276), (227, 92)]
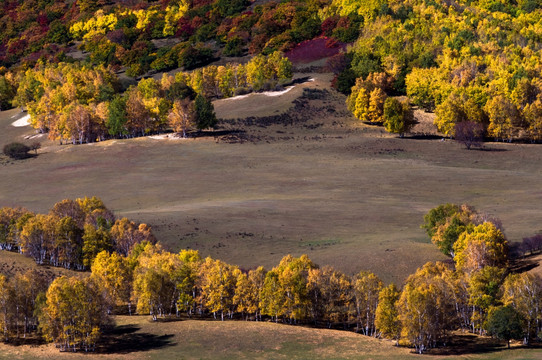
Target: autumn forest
[(211, 76)]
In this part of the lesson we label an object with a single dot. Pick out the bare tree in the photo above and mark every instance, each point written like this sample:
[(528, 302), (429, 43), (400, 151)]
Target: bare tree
[(35, 146), (469, 133)]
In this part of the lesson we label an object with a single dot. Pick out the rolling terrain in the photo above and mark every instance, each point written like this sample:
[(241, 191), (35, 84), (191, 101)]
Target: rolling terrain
[(309, 179)]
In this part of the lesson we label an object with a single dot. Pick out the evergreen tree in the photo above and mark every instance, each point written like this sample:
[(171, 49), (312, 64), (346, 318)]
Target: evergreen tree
[(204, 113)]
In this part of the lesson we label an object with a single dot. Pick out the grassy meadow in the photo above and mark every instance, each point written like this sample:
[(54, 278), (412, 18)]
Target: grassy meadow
[(137, 337), (346, 194)]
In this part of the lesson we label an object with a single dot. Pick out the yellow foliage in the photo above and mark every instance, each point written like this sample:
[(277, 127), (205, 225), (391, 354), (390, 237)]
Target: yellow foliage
[(97, 25), (485, 245)]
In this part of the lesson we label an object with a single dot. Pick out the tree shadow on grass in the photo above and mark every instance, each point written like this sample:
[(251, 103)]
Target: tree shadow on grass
[(214, 133), (126, 339), (32, 339), (300, 80), (424, 137), (469, 344), (489, 149), (524, 263)]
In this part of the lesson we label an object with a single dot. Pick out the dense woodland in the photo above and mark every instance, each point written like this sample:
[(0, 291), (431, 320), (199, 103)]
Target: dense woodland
[(132, 273), (474, 63)]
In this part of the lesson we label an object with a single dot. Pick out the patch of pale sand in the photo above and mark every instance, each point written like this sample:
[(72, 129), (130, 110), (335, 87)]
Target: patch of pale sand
[(277, 93), (30, 137), (24, 121), (236, 97), (265, 93), (166, 137)]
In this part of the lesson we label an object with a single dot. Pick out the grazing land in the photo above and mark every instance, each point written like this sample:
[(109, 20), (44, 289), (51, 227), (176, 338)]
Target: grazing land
[(309, 179), (137, 337)]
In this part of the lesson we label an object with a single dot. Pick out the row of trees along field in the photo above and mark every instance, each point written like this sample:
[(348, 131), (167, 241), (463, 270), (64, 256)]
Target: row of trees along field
[(71, 234), (78, 104), (477, 293)]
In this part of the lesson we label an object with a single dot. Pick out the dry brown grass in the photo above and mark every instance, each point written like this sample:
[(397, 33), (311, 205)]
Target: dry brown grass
[(137, 337), (12, 263)]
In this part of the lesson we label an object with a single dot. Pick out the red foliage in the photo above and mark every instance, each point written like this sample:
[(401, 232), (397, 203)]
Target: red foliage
[(257, 43), (141, 6), (72, 13), (17, 47), (328, 25), (198, 3), (13, 16), (164, 4), (42, 20), (50, 53), (314, 49), (10, 5), (184, 28), (343, 22), (196, 22), (332, 43), (116, 36), (224, 27)]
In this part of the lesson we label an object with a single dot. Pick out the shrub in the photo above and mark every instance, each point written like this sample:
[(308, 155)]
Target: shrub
[(234, 47), (192, 57), (35, 146), (16, 150)]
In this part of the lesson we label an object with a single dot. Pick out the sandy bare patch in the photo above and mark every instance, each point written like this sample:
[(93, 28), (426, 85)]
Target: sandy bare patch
[(31, 137), (265, 93), (24, 121), (166, 137), (277, 93)]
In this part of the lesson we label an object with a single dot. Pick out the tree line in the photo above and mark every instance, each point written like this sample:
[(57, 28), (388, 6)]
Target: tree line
[(80, 104), (476, 292), (71, 234), (369, 102), (130, 272)]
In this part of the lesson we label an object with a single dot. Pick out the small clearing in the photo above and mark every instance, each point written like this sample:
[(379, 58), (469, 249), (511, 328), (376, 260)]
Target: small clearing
[(269, 103)]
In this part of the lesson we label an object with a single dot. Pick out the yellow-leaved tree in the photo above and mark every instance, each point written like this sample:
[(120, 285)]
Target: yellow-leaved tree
[(114, 273), (502, 114), (73, 314), (285, 292), (426, 307), (524, 293), (386, 316), (485, 245), (187, 276), (217, 282), (366, 287), (331, 295), (155, 282)]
